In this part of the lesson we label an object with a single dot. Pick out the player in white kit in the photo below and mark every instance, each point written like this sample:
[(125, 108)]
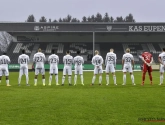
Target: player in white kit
[(128, 66), (23, 60), (53, 61), (39, 60), (4, 61), (97, 61), (110, 63), (78, 61), (161, 59), (67, 70)]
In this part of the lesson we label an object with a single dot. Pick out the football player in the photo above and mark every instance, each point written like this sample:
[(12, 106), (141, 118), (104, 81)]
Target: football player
[(78, 61), (39, 59), (67, 70), (53, 61), (128, 66), (147, 61), (4, 61), (110, 63), (97, 61), (23, 60), (161, 59)]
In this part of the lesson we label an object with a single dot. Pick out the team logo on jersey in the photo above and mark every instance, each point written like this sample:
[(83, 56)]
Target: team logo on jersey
[(109, 28), (36, 28)]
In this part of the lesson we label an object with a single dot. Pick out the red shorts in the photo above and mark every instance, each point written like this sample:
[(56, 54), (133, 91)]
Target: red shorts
[(147, 68)]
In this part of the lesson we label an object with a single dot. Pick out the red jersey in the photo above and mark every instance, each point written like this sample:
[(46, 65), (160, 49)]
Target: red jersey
[(147, 56)]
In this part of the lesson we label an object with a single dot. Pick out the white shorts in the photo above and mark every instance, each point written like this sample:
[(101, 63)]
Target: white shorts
[(23, 71), (162, 68), (110, 68), (39, 70), (127, 68), (67, 70), (78, 70), (53, 70), (98, 70), (4, 71)]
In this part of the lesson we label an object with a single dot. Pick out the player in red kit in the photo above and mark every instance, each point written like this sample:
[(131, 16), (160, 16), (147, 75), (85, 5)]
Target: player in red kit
[(147, 61)]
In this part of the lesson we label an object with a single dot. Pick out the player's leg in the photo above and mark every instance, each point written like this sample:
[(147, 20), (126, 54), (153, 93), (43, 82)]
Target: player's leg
[(56, 75), (64, 74), (161, 74), (132, 76), (69, 75), (81, 76), (75, 75), (112, 70), (100, 78), (36, 76), (20, 76), (124, 75), (6, 72), (50, 77), (144, 73), (94, 75), (43, 76), (27, 76), (150, 73), (107, 74)]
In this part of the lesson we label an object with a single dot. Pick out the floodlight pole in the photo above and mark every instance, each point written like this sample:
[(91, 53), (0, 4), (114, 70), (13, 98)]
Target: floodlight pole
[(93, 43)]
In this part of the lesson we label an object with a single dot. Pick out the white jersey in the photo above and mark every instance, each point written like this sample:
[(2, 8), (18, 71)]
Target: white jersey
[(97, 60), (68, 60), (53, 60), (78, 61), (4, 61), (162, 57), (127, 57), (39, 59), (23, 60), (110, 58)]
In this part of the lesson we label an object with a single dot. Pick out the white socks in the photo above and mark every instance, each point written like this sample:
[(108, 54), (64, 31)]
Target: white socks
[(114, 79), (50, 79), (107, 79), (100, 79), (56, 78), (161, 79), (124, 79), (35, 81), (75, 79), (63, 79), (27, 79), (82, 79), (7, 82), (93, 79), (69, 79), (132, 78), (19, 79)]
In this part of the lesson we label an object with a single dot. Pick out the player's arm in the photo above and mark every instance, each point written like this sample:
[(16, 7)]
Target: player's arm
[(159, 59), (115, 61), (151, 60), (18, 60), (44, 57), (9, 60), (106, 60), (49, 59), (28, 59), (123, 62), (57, 60), (133, 62), (93, 61), (64, 59)]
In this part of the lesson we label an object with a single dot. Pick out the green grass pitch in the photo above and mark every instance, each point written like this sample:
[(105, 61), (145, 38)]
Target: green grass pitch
[(81, 105)]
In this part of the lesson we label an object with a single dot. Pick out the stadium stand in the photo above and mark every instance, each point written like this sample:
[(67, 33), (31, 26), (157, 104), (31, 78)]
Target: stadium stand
[(14, 50)]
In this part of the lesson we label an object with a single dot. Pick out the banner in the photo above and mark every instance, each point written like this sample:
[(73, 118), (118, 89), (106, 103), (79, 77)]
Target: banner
[(82, 27)]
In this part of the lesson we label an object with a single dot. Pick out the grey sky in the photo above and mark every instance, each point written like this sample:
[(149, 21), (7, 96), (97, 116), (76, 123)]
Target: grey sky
[(143, 10)]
